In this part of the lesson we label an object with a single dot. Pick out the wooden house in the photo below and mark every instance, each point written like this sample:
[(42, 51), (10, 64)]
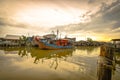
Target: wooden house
[(12, 40), (116, 42)]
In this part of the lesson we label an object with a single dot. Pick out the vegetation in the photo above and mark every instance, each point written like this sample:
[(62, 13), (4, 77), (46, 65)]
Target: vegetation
[(23, 40), (89, 39)]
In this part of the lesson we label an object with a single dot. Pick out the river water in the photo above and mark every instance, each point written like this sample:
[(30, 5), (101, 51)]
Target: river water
[(35, 64)]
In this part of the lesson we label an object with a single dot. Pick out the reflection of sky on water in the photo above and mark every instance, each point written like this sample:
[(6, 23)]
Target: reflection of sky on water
[(35, 64)]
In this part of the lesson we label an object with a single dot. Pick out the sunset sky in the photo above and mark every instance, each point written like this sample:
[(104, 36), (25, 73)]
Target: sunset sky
[(97, 19)]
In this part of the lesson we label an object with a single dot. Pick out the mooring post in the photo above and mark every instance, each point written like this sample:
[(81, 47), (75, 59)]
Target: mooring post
[(107, 52), (105, 65)]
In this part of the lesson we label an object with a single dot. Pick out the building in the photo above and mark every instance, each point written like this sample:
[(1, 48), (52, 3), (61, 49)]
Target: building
[(71, 39), (116, 42), (50, 36), (12, 37), (11, 40)]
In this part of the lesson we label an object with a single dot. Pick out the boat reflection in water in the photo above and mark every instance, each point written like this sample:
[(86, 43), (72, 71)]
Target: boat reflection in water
[(41, 55)]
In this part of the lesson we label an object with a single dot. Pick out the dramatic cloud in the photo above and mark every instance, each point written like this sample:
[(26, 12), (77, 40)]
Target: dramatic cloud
[(98, 19), (105, 21)]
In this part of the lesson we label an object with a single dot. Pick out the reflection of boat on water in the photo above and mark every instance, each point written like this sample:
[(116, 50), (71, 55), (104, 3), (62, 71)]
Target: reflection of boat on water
[(39, 54), (54, 55), (35, 52)]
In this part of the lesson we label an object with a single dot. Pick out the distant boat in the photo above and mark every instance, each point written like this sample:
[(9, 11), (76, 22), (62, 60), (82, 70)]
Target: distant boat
[(53, 44)]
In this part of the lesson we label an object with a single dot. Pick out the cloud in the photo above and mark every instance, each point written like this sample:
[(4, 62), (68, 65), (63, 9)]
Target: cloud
[(103, 15), (91, 1), (105, 21), (106, 7), (111, 13), (4, 22), (11, 27), (116, 25)]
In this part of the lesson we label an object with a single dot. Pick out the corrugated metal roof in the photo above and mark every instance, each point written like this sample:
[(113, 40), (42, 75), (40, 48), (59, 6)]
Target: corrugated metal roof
[(16, 37), (115, 39), (50, 36)]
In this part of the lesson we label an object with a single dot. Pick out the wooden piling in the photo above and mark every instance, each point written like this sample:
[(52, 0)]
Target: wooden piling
[(105, 65), (107, 52)]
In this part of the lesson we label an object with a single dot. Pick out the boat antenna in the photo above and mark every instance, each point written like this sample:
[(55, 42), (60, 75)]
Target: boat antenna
[(57, 33)]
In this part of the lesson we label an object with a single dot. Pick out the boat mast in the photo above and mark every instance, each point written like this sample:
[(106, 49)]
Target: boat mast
[(57, 33)]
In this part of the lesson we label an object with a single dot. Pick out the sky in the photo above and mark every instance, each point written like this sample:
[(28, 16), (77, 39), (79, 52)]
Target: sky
[(96, 19)]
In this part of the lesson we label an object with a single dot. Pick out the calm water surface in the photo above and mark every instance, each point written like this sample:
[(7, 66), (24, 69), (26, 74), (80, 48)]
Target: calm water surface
[(35, 64)]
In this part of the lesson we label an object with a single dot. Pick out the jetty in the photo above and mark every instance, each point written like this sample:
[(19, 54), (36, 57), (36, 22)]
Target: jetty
[(107, 60), (116, 43)]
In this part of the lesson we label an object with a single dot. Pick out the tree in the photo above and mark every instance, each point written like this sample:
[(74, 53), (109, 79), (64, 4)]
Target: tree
[(23, 40), (89, 39)]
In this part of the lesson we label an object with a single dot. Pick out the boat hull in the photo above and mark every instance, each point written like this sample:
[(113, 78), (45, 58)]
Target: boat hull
[(47, 46)]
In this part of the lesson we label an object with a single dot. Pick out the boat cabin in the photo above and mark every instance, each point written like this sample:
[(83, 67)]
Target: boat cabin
[(62, 42)]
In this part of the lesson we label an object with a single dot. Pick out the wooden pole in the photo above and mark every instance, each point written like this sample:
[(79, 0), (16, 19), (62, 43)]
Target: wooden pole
[(105, 63), (107, 52)]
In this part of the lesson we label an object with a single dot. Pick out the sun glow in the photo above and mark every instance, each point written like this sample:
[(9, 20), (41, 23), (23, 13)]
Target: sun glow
[(47, 17)]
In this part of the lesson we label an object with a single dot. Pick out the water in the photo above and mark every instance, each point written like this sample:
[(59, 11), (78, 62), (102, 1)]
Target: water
[(35, 64)]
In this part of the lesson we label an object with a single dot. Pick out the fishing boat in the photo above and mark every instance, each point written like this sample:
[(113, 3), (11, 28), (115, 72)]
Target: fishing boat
[(53, 44)]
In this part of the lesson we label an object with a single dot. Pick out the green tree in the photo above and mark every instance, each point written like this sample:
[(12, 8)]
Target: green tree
[(89, 39), (23, 40)]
